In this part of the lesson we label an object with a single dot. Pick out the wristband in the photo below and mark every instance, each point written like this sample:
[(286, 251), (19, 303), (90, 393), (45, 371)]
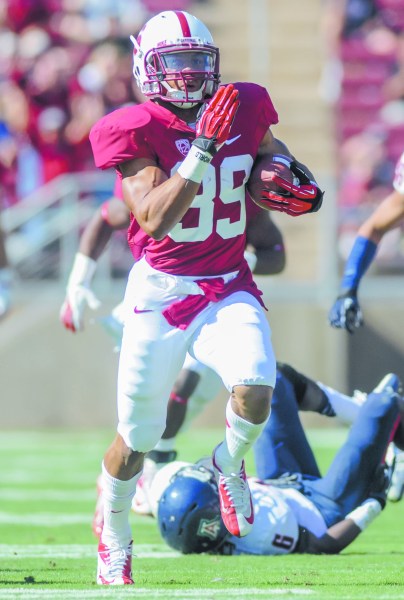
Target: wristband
[(194, 165), (283, 159), (83, 270), (251, 259), (364, 514), (178, 399), (359, 259)]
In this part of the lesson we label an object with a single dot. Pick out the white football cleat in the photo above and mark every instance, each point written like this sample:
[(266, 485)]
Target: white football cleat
[(114, 564), (396, 489), (236, 504)]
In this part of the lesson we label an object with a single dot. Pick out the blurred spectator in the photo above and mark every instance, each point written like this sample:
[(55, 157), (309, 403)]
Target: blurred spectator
[(63, 64), (364, 79)]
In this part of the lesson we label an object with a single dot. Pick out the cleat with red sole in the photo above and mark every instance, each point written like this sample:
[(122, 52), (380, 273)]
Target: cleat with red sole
[(114, 564), (236, 504)]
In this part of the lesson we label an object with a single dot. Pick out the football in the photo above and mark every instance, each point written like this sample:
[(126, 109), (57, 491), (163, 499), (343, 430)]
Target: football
[(262, 177)]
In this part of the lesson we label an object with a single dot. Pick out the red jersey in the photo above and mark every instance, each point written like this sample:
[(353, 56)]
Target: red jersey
[(210, 238)]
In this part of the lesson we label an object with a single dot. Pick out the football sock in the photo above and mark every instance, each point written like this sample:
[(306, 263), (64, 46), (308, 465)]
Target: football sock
[(117, 497), (240, 436), (345, 407)]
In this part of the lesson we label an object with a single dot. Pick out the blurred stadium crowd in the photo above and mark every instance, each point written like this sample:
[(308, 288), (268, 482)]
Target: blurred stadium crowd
[(363, 79), (65, 63)]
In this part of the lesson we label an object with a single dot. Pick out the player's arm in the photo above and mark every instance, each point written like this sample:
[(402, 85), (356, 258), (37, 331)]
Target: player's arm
[(265, 245), (346, 312), (112, 215), (337, 537), (159, 202), (341, 534), (387, 216)]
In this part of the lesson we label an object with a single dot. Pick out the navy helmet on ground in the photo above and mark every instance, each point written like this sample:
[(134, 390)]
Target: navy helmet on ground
[(189, 512)]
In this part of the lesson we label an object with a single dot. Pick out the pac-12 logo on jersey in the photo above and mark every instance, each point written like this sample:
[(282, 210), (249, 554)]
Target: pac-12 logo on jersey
[(183, 146)]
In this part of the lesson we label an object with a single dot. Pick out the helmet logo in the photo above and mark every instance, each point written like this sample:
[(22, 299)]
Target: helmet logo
[(183, 146), (209, 529)]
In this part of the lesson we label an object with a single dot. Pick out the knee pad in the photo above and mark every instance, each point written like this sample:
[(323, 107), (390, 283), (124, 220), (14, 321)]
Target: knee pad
[(141, 437)]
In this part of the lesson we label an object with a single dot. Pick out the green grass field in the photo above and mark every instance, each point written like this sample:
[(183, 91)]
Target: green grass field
[(47, 549)]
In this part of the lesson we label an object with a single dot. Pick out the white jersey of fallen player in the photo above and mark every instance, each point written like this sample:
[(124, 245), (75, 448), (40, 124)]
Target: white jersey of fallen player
[(278, 514), (398, 182)]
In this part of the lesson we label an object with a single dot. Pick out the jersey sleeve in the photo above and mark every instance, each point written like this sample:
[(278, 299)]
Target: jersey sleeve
[(259, 104), (121, 136)]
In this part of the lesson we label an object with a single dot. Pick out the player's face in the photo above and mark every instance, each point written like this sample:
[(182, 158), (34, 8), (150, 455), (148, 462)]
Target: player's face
[(188, 64)]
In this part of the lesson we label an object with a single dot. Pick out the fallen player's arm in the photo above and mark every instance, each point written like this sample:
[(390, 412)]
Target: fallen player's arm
[(339, 536)]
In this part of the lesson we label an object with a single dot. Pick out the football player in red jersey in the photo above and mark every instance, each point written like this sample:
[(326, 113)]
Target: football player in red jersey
[(184, 171)]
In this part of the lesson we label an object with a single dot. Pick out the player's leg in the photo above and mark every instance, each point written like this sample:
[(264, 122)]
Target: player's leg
[(195, 386), (347, 481), (345, 407), (152, 354), (235, 341), (308, 393), (316, 396), (282, 446)]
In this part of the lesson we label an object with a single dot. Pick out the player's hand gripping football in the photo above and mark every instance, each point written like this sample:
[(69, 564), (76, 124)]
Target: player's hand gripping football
[(295, 198), (346, 313), (214, 123)]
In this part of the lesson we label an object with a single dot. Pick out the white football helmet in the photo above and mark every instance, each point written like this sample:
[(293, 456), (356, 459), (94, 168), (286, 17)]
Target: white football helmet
[(175, 59)]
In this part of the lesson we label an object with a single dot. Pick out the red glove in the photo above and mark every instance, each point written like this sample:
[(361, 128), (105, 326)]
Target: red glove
[(294, 198), (214, 124)]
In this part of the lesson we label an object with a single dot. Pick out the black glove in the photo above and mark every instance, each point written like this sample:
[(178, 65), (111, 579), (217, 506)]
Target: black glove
[(380, 484)]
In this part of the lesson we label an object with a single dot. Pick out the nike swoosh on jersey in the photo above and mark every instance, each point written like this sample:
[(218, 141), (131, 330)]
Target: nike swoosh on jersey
[(228, 142), (139, 311)]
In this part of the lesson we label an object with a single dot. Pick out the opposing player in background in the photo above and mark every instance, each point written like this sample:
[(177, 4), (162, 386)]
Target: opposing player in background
[(297, 510), (346, 312), (184, 172)]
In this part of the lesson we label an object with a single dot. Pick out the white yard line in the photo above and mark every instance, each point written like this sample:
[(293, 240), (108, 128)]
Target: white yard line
[(79, 551), (20, 495), (151, 594), (55, 519)]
